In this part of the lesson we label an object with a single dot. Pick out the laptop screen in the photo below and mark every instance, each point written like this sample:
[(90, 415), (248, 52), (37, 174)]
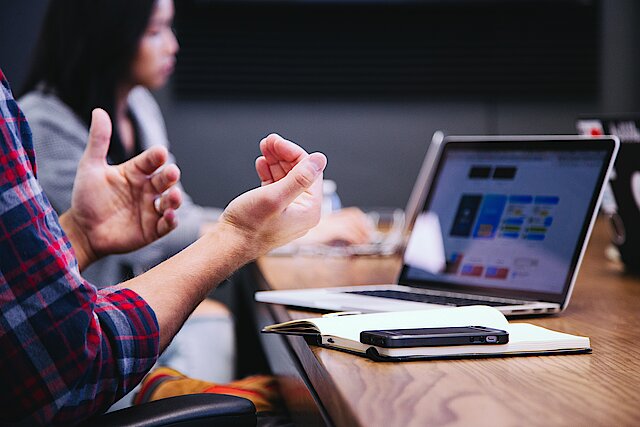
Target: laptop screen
[(510, 217)]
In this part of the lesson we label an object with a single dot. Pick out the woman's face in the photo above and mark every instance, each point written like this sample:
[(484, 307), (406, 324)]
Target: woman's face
[(157, 50)]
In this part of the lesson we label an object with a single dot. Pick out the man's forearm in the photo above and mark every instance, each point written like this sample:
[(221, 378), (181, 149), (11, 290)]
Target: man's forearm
[(79, 242), (175, 287)]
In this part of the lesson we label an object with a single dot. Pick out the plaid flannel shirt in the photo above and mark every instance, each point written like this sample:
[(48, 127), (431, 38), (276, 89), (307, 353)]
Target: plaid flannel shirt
[(67, 351)]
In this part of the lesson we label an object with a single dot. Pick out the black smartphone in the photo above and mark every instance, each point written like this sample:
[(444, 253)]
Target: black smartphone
[(427, 337)]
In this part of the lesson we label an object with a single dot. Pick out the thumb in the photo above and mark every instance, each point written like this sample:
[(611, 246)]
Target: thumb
[(99, 135), (299, 179)]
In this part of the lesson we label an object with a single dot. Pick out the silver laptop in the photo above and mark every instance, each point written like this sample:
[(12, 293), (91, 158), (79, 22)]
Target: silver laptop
[(505, 222)]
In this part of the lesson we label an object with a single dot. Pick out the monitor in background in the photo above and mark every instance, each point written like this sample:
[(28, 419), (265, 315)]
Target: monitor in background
[(622, 200)]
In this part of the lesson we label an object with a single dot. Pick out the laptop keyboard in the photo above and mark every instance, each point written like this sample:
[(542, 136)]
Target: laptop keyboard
[(431, 299)]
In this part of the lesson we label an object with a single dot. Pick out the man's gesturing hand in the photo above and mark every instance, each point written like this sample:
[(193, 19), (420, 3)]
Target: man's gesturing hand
[(287, 204), (117, 209)]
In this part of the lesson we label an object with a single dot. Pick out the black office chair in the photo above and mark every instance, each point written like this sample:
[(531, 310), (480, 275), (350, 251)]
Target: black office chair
[(205, 409)]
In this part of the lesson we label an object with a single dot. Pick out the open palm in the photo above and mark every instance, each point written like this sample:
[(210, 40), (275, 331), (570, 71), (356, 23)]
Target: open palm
[(116, 206)]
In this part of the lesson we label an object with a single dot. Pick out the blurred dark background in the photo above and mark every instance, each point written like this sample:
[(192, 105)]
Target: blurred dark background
[(368, 81)]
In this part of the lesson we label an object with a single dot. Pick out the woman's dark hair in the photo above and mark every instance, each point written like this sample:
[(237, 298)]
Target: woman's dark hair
[(85, 51)]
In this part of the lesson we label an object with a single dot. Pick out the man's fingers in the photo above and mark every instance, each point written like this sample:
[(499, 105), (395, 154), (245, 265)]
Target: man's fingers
[(300, 178), (281, 155), (99, 135), (275, 148), (171, 200), (264, 172), (167, 222), (164, 179), (148, 161)]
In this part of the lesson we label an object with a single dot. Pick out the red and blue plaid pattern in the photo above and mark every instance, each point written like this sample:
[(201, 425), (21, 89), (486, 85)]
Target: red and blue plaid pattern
[(67, 351)]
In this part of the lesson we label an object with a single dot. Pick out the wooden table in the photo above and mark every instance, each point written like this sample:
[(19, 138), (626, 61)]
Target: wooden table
[(325, 386)]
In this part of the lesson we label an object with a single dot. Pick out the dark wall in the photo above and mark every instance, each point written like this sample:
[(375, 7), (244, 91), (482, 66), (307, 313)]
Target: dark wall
[(620, 83), (19, 25), (375, 146)]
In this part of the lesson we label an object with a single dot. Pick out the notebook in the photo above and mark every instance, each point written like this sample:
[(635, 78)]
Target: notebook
[(509, 219), (343, 333), (621, 201)]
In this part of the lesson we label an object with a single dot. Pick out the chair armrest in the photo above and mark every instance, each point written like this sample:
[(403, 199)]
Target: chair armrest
[(205, 409)]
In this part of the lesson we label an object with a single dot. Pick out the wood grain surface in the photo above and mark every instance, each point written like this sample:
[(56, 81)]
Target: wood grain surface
[(601, 388)]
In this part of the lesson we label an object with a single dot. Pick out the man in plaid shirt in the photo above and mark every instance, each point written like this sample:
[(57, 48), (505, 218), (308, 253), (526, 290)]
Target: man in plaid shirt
[(68, 351)]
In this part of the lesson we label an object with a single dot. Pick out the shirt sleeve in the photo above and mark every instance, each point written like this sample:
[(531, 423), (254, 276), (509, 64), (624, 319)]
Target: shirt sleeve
[(68, 351)]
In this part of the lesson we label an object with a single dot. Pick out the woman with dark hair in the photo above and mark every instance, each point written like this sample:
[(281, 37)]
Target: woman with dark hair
[(105, 53), (90, 53)]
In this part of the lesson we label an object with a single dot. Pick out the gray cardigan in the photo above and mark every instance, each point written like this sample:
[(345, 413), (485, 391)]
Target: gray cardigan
[(60, 137)]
